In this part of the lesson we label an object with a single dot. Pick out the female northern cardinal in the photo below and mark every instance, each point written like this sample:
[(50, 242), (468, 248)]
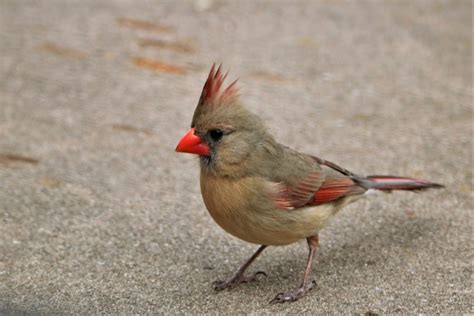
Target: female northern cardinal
[(263, 192)]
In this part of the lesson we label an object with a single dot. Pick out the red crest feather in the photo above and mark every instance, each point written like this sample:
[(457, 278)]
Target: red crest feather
[(213, 94)]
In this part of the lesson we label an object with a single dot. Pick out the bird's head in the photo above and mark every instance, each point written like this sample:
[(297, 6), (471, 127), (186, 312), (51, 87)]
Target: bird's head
[(223, 133)]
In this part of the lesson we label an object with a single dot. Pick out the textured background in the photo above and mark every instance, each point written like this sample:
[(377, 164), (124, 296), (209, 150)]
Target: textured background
[(98, 214)]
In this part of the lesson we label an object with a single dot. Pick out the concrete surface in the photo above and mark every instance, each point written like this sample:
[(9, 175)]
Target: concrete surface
[(99, 215)]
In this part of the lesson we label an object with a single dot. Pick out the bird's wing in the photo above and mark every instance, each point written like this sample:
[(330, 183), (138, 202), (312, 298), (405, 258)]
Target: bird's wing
[(335, 186), (327, 184), (296, 196)]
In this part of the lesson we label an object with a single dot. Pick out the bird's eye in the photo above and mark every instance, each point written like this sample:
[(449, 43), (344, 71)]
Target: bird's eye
[(216, 134)]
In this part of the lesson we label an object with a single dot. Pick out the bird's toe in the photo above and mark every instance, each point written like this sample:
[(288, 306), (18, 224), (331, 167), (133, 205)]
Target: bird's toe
[(295, 294)]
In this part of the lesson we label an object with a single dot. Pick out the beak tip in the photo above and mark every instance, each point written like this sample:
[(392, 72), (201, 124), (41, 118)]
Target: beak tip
[(180, 148)]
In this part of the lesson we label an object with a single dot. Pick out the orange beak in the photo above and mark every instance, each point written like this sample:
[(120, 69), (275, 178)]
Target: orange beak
[(191, 143)]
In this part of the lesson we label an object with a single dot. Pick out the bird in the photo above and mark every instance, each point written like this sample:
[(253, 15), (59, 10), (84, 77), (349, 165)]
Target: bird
[(264, 192)]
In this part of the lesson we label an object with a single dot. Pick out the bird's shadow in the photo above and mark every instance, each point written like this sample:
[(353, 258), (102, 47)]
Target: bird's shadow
[(361, 248)]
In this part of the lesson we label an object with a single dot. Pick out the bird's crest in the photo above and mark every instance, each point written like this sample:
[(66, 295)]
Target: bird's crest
[(213, 94)]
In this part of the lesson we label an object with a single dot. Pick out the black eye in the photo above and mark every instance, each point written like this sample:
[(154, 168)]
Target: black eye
[(216, 134)]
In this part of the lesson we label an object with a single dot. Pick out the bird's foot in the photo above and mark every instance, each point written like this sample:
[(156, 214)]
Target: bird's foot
[(294, 294), (236, 280)]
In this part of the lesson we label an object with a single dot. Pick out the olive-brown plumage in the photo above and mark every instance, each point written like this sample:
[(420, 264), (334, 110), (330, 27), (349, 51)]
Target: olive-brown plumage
[(263, 192)]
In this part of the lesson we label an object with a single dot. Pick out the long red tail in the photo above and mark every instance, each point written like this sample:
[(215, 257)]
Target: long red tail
[(388, 183)]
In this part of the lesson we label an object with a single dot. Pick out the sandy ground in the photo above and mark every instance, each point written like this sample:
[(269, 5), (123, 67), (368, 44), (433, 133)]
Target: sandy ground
[(99, 215)]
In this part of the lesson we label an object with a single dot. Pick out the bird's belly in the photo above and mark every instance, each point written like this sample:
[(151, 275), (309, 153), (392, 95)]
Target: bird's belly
[(280, 227)]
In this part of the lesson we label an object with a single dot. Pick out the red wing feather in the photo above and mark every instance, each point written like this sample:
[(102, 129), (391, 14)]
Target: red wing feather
[(304, 191), (333, 189), (299, 195)]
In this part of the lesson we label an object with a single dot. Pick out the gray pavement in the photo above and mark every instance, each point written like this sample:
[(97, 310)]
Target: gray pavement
[(99, 215)]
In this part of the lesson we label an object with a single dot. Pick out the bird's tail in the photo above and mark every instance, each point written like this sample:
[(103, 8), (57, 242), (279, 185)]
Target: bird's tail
[(389, 183)]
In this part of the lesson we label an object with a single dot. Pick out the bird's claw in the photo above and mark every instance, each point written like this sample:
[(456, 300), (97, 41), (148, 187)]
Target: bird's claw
[(236, 280), (294, 294)]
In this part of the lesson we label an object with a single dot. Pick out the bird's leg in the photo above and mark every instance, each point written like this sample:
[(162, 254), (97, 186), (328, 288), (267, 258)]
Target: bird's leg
[(307, 284), (239, 277)]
